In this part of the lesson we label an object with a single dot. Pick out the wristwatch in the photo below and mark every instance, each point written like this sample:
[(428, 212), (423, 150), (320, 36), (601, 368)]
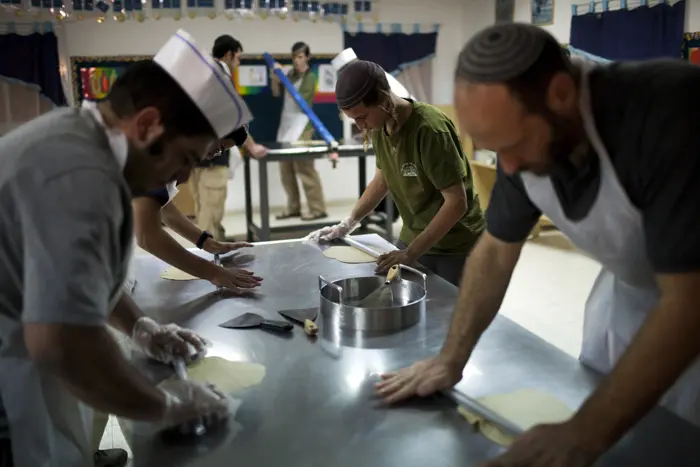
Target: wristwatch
[(203, 238)]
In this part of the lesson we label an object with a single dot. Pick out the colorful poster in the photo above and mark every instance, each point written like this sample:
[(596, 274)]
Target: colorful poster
[(250, 76), (95, 82), (690, 47), (542, 12), (93, 77), (327, 77), (325, 83)]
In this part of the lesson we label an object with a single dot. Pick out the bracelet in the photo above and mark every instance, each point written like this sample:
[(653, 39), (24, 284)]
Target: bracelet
[(203, 238)]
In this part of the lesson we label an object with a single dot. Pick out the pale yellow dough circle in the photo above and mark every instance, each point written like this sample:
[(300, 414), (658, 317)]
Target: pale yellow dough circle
[(348, 254), (174, 274), (228, 377), (524, 408)]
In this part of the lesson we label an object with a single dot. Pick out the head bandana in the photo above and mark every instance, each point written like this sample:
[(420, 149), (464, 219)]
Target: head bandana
[(501, 52), (356, 80)]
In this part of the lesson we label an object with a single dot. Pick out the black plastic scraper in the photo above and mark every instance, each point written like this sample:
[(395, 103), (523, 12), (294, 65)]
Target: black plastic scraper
[(300, 315), (251, 320)]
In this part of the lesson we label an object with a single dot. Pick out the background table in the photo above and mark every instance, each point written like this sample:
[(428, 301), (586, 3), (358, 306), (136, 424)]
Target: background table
[(285, 152)]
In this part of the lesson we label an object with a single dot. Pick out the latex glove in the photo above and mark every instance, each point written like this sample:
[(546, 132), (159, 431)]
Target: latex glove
[(328, 234), (166, 342), (188, 401)]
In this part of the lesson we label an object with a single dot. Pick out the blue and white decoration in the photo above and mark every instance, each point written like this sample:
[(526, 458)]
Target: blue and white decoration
[(585, 55), (140, 10)]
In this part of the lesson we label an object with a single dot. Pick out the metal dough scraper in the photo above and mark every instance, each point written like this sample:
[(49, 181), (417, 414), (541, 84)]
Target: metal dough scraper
[(251, 320), (384, 295), (300, 315)]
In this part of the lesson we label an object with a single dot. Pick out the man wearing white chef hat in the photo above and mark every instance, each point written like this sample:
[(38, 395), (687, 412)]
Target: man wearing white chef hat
[(66, 180)]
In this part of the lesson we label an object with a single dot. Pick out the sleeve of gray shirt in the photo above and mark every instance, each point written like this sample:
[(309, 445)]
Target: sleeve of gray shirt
[(70, 226)]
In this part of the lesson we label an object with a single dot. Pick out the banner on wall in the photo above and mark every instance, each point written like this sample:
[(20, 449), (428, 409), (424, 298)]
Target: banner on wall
[(690, 47), (93, 77), (251, 80)]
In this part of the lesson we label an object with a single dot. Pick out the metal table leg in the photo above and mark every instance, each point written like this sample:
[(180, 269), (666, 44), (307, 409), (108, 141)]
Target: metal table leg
[(389, 222), (264, 202), (248, 201), (362, 173)]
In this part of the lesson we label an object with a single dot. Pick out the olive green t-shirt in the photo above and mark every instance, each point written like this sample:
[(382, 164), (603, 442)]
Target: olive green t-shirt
[(424, 157)]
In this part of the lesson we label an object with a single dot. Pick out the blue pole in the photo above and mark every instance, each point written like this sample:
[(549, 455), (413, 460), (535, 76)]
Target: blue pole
[(320, 127)]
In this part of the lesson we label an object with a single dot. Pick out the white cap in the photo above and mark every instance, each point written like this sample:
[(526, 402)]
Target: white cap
[(343, 58), (348, 55), (203, 80)]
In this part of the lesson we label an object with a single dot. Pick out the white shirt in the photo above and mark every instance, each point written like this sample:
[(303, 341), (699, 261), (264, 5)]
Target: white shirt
[(116, 138)]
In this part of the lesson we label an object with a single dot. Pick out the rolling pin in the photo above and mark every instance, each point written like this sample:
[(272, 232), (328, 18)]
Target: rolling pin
[(475, 407), (355, 244), (217, 261)]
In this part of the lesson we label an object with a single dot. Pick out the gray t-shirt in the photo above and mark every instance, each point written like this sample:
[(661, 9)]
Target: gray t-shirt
[(65, 227)]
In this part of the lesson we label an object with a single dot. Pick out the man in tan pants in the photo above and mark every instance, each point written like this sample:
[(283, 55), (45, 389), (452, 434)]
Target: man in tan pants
[(295, 126), (209, 189), (208, 181)]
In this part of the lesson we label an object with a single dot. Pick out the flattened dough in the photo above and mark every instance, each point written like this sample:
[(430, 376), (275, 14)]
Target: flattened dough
[(348, 254), (174, 274), (229, 377), (525, 408)]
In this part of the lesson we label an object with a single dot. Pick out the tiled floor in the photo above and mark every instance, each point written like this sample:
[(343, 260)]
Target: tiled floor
[(546, 296)]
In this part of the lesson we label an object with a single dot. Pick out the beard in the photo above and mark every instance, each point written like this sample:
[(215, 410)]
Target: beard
[(139, 172), (563, 143)]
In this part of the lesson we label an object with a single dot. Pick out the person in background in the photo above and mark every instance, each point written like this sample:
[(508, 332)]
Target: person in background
[(610, 154), (209, 180), (65, 236), (295, 126), (420, 161)]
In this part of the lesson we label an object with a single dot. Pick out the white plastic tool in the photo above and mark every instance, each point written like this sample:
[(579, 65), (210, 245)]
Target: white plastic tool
[(348, 55)]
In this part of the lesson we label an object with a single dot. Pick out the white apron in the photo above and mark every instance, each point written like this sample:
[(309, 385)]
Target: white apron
[(293, 120), (625, 291), (48, 425)]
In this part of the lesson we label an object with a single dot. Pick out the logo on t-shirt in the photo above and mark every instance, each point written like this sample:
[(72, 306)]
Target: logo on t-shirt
[(408, 169)]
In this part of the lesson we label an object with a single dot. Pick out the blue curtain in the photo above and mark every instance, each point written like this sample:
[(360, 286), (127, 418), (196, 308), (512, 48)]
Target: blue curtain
[(392, 51), (638, 34), (33, 59)]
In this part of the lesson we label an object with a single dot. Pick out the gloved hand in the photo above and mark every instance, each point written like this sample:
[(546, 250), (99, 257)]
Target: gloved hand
[(164, 342), (188, 401), (327, 234)]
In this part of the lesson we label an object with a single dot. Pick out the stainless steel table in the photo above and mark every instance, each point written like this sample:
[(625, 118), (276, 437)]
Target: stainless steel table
[(284, 152), (315, 406)]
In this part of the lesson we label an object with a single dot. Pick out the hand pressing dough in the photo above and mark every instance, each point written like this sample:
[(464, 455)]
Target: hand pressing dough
[(174, 274), (348, 254), (228, 377), (525, 408)]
